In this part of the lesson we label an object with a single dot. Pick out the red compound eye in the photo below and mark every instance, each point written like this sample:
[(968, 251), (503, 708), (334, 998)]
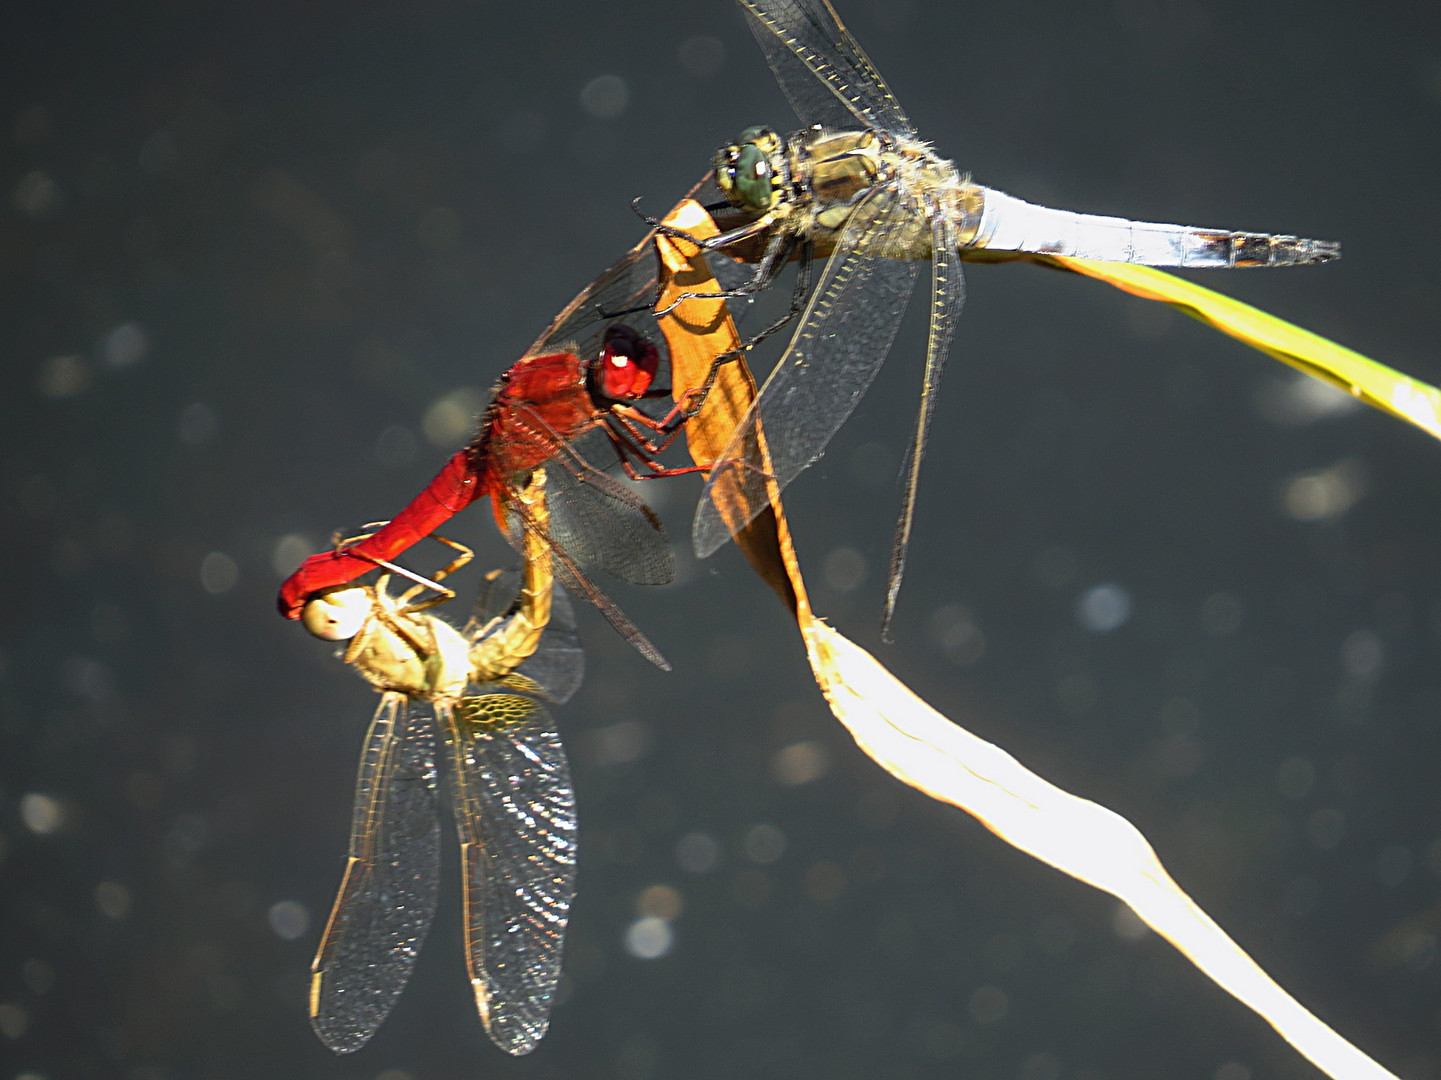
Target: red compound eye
[(626, 366)]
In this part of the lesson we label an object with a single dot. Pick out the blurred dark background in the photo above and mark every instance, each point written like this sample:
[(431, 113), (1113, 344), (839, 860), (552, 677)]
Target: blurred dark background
[(252, 257)]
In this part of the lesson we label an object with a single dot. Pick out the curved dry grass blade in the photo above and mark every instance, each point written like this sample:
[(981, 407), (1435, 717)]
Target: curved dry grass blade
[(919, 746), (698, 330), (1376, 384)]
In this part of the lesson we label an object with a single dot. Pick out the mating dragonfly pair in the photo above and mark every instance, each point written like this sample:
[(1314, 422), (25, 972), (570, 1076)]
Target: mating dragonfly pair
[(856, 184)]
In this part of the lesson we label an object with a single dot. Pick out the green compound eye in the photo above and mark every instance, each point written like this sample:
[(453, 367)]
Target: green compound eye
[(751, 176)]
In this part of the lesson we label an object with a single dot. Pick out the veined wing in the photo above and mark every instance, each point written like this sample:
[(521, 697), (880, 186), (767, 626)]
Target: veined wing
[(627, 284), (387, 897), (948, 293), (515, 815), (516, 523), (599, 521), (557, 666), (843, 338), (822, 69), (523, 619)]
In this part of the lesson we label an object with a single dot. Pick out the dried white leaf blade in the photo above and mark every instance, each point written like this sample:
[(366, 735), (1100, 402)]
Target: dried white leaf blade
[(919, 746)]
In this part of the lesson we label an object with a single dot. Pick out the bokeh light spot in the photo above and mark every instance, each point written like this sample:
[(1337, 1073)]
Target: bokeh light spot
[(1221, 614), (62, 376), (1325, 494), (697, 853), (649, 938), (289, 552), (764, 844), (42, 814), (988, 1005), (1126, 924), (620, 743), (659, 901), (290, 919), (197, 424), (113, 900), (125, 345), (605, 97), (844, 569), (1104, 608), (701, 56), (1295, 778), (799, 763), (954, 630), (396, 447), (218, 573), (449, 419)]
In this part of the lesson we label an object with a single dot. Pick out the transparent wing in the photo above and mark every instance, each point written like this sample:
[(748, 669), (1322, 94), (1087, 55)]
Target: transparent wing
[(843, 338), (948, 293), (594, 543), (629, 284), (557, 667), (626, 285), (823, 71), (600, 522), (515, 815), (387, 896)]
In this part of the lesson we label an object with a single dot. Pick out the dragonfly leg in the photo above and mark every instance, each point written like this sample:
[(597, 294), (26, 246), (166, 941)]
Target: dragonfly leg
[(665, 230), (629, 445), (798, 296), (340, 542), (693, 400), (442, 593), (662, 228), (474, 630), (658, 471), (778, 250), (395, 622), (386, 613)]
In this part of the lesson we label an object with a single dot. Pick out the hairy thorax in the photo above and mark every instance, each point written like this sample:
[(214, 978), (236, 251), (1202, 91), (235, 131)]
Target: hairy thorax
[(833, 173)]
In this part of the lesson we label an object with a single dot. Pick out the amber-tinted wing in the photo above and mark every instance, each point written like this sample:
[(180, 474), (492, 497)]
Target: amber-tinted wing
[(387, 897), (515, 815)]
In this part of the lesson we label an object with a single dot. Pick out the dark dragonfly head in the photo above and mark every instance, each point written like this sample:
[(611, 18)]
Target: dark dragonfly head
[(749, 170)]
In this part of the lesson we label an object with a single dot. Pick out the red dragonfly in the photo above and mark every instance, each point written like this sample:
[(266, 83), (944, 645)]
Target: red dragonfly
[(557, 409)]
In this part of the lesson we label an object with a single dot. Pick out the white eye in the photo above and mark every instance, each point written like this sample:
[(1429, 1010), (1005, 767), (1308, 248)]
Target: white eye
[(338, 615)]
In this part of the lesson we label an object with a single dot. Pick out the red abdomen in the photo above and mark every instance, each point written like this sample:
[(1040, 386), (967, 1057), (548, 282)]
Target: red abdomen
[(454, 488), (541, 400)]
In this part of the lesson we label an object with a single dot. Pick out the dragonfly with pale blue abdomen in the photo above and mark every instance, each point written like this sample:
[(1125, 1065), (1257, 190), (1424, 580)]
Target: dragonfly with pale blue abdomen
[(858, 182)]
